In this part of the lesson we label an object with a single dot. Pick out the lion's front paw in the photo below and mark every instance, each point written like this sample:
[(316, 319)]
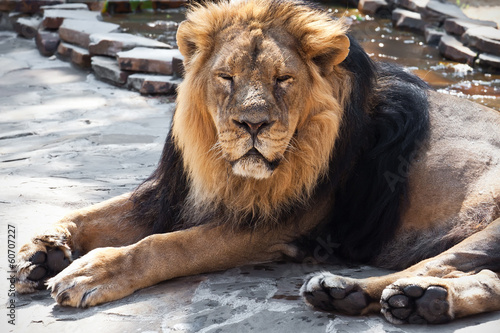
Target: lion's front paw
[(331, 292), (416, 301), (42, 258), (97, 277)]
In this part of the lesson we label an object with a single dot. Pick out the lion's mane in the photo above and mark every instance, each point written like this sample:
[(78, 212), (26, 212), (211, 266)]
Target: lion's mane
[(360, 121)]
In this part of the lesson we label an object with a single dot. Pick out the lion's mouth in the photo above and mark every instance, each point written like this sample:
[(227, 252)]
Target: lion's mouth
[(254, 165)]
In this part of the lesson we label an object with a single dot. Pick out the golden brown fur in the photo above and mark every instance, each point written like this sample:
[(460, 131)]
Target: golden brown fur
[(194, 125), (285, 130)]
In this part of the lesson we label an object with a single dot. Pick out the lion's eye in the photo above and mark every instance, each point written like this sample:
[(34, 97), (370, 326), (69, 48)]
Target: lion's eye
[(226, 77), (283, 78)]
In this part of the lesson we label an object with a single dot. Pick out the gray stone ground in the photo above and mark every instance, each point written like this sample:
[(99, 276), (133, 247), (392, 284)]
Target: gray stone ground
[(66, 141)]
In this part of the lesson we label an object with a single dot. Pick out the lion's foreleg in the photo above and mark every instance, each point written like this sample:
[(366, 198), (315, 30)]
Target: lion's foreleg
[(107, 274), (104, 224)]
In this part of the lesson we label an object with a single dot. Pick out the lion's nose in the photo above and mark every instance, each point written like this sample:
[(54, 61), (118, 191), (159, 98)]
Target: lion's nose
[(253, 128)]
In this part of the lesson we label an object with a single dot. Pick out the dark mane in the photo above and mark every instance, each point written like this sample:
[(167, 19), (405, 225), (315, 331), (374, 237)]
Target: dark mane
[(160, 199), (382, 129)]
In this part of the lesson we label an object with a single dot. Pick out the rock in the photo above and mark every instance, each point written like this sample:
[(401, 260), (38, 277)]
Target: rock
[(79, 56), (452, 49), (53, 18), (166, 4), (67, 6), (413, 5), (372, 7), (126, 6), (489, 60), (405, 19), (436, 12), (178, 66), (106, 69), (148, 60), (27, 26), (486, 39), (47, 42), (433, 35), (459, 26), (26, 6), (111, 43), (153, 84), (78, 31), (5, 23)]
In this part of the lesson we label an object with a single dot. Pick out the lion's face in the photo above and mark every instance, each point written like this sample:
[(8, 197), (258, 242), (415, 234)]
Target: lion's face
[(261, 103), (256, 82)]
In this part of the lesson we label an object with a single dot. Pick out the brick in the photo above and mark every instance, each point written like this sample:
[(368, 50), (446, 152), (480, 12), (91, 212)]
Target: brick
[(78, 31), (433, 35), (140, 59), (26, 26), (486, 39), (405, 19), (47, 42), (106, 69), (489, 60), (453, 49), (153, 84), (459, 26), (372, 7), (53, 18), (436, 12), (111, 43), (79, 56)]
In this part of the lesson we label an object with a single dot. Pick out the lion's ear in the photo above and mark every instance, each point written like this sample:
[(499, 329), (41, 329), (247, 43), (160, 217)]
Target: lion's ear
[(185, 40), (332, 55)]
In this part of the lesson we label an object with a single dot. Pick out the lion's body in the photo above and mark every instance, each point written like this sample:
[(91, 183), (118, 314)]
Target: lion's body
[(288, 141)]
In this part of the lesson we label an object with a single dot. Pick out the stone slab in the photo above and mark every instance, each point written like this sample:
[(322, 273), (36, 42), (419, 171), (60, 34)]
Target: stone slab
[(27, 26), (27, 6), (111, 43), (459, 26), (148, 60), (489, 60), (53, 18), (126, 6), (436, 12), (433, 35), (486, 39), (373, 7), (106, 69), (453, 49), (78, 31), (67, 6), (153, 84), (47, 42), (405, 19), (413, 5), (78, 55)]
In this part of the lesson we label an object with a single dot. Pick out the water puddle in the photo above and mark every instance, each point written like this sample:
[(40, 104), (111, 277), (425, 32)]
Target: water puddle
[(378, 38)]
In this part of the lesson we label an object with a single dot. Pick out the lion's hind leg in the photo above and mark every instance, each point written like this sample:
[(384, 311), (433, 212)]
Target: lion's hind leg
[(431, 300)]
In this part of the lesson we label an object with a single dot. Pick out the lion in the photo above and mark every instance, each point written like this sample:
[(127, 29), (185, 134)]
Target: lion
[(286, 131)]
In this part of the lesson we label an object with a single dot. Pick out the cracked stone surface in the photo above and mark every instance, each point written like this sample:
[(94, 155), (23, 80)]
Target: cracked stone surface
[(68, 140)]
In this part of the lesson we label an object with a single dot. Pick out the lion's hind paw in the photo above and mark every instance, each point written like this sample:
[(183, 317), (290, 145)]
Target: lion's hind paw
[(39, 260), (416, 301), (329, 292)]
